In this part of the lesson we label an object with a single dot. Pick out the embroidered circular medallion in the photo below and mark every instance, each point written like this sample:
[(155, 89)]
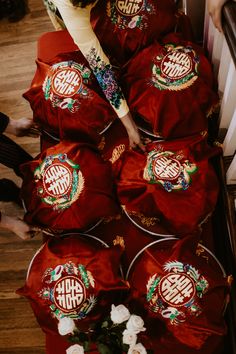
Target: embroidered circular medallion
[(69, 293), (176, 68), (57, 180), (176, 65), (175, 294), (129, 7), (66, 82), (65, 85), (176, 289), (166, 168), (171, 170), (68, 289), (130, 14)]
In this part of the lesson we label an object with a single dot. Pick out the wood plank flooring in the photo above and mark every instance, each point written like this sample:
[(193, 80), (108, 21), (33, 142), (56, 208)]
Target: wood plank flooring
[(19, 331)]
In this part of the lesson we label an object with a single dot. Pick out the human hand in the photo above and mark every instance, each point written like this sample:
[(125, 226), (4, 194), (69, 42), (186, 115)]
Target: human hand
[(132, 131), (215, 8), (22, 127), (18, 227)]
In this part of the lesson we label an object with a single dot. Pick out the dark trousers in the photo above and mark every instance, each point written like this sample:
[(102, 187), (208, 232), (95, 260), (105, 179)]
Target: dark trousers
[(12, 155)]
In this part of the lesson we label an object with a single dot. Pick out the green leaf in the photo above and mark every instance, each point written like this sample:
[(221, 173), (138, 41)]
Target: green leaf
[(83, 337), (86, 346), (104, 324), (104, 349), (125, 347), (150, 351)]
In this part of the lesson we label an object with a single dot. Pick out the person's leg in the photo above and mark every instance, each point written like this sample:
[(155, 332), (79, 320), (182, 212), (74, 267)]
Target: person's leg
[(12, 155), (9, 191)]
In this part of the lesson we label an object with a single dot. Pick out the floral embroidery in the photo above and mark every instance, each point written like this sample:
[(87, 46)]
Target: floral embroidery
[(59, 181), (175, 294), (50, 5), (176, 68), (130, 13), (65, 289), (65, 84), (169, 169), (106, 78)]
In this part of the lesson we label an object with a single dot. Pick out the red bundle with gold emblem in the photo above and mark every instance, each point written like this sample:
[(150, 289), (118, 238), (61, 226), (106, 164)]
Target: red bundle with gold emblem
[(170, 88), (66, 98), (184, 290), (174, 183), (69, 186), (73, 277), (124, 27)]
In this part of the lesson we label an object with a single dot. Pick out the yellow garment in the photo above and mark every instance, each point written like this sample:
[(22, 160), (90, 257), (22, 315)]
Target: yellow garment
[(77, 22)]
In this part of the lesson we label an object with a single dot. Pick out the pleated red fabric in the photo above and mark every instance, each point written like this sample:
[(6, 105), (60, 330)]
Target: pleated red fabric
[(183, 289), (170, 87), (75, 277), (174, 183), (66, 98), (124, 27), (69, 186)]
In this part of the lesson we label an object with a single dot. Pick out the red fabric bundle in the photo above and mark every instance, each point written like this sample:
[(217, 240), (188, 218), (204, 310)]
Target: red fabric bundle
[(170, 87), (124, 27), (75, 277), (183, 287), (174, 183), (66, 98), (69, 186)]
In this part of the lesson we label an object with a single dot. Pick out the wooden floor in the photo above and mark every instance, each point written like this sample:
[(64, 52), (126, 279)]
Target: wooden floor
[(19, 331)]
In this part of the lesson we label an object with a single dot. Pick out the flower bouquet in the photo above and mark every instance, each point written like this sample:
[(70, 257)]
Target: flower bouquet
[(116, 334)]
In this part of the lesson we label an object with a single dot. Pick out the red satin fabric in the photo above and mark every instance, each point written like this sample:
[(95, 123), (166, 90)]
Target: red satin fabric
[(179, 207), (171, 90), (192, 317), (123, 29), (66, 98), (60, 259), (68, 194)]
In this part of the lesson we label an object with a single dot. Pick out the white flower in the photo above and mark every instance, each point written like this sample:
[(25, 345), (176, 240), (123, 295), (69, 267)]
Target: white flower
[(135, 324), (119, 314), (75, 349), (129, 337), (65, 326), (137, 349)]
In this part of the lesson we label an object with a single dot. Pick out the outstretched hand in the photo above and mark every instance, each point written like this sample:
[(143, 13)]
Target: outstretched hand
[(132, 131), (215, 8), (18, 227), (22, 127)]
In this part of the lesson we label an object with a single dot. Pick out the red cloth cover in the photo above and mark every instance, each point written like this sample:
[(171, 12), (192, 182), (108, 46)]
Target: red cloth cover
[(170, 86), (183, 287), (173, 183), (69, 186), (124, 27), (66, 98), (73, 277)]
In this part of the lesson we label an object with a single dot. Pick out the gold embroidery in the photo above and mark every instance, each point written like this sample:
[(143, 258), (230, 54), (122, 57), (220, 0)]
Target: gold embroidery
[(111, 218), (117, 152), (119, 240), (101, 144), (230, 280), (200, 252), (145, 220)]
